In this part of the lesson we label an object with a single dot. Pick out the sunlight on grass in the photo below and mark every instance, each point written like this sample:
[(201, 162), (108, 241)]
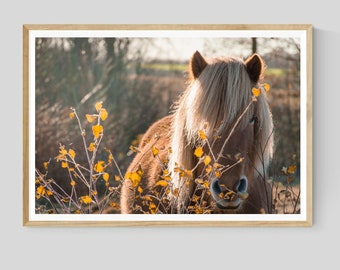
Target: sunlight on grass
[(166, 66), (276, 72)]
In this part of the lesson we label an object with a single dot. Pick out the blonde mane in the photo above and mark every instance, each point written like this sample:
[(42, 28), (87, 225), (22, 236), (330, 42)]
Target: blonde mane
[(213, 102)]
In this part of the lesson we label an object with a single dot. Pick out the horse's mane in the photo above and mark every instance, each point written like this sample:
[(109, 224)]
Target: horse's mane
[(213, 102)]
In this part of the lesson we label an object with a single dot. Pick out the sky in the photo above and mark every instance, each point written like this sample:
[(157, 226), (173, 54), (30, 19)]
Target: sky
[(181, 49)]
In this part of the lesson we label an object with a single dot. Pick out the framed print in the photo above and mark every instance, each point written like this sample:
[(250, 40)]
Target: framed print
[(167, 125)]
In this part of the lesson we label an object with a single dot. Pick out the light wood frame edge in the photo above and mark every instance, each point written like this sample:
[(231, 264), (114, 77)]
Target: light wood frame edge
[(309, 192)]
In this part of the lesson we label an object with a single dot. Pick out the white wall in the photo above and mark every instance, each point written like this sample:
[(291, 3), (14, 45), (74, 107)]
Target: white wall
[(169, 248)]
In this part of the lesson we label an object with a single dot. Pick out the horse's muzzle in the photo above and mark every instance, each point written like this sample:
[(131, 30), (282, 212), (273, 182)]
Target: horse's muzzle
[(229, 198)]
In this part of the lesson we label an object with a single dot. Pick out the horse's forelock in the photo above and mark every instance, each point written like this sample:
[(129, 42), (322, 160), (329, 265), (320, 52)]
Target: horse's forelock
[(217, 97), (214, 101)]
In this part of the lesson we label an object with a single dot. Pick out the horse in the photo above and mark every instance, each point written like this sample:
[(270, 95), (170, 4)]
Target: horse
[(211, 153)]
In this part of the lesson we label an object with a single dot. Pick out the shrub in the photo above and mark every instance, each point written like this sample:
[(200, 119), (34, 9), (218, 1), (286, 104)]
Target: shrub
[(101, 186)]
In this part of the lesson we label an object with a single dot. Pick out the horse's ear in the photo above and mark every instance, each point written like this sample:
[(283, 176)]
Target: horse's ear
[(197, 64), (255, 67)]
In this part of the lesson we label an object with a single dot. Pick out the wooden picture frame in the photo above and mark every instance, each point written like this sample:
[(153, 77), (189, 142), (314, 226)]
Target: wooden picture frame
[(36, 81)]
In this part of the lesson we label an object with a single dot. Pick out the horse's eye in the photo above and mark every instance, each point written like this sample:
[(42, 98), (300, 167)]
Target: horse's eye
[(252, 120)]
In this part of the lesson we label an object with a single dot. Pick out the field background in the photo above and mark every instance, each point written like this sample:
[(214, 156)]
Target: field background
[(174, 248)]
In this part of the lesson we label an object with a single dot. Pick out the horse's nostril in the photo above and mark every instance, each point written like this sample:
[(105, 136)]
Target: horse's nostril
[(215, 186), (242, 185)]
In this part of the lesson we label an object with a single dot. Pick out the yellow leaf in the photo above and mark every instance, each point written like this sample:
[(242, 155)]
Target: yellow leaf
[(175, 192), (207, 160), (114, 205), (152, 205), (230, 195), (217, 165), (46, 165), (291, 169), (199, 210), (147, 198), (152, 208), (72, 183), (103, 114), (49, 193), (90, 118), (41, 190), (166, 177), (91, 147), (72, 153), (218, 174), (208, 169), (139, 189), (134, 177), (97, 130), (117, 178), (86, 199), (71, 115), (64, 164), (99, 105), (140, 171), (62, 151), (266, 87), (188, 173), (198, 152), (195, 198), (256, 92), (202, 135), (206, 184), (155, 151), (106, 177), (162, 183), (98, 167)]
